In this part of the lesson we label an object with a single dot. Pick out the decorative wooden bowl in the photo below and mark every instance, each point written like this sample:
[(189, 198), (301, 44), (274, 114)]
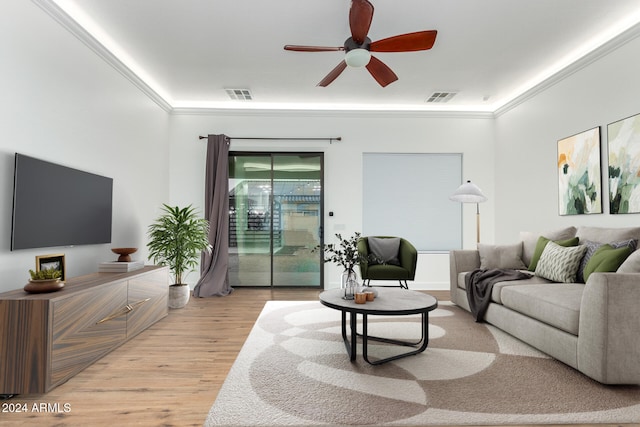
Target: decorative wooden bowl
[(44, 285), (125, 253)]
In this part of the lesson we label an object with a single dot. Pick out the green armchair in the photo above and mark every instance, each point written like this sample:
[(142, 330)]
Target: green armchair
[(406, 261)]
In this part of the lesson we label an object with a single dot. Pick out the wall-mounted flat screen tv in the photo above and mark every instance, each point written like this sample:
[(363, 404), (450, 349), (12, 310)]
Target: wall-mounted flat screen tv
[(54, 205)]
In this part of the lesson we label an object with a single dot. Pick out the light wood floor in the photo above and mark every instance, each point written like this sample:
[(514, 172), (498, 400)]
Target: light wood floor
[(167, 376)]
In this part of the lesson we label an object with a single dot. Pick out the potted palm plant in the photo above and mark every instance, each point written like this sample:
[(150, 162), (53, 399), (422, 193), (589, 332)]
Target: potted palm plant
[(176, 239)]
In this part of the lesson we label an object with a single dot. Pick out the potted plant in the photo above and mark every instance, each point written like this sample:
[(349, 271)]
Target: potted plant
[(177, 239), (46, 274), (45, 280), (345, 254)]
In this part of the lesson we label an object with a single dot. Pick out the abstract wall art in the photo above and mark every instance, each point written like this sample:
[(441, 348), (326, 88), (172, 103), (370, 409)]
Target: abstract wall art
[(624, 165), (579, 174)]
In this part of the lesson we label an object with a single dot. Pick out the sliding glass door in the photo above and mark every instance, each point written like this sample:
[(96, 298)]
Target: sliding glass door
[(275, 219)]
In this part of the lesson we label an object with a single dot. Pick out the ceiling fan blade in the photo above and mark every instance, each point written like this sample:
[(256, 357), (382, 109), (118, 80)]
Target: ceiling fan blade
[(298, 48), (381, 72), (360, 17), (333, 74), (411, 42)]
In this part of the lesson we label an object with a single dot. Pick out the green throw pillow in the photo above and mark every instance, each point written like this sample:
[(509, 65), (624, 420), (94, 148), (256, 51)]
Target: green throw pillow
[(606, 259), (542, 243)]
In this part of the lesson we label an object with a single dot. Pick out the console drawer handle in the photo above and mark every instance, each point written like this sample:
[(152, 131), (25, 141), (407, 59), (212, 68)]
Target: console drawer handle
[(123, 311), (137, 304)]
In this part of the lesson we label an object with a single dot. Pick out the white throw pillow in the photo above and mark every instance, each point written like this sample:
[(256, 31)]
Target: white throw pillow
[(559, 263)]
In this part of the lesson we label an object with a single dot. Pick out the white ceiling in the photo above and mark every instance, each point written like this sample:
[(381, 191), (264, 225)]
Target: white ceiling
[(489, 51)]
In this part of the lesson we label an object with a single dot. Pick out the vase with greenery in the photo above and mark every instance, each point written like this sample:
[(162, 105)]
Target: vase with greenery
[(345, 254), (176, 239)]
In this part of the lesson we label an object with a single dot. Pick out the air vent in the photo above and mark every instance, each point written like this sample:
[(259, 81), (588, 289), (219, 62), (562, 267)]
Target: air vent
[(239, 94), (441, 97)]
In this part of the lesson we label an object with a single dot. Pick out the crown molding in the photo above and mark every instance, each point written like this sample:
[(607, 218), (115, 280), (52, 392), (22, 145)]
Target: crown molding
[(53, 10), (332, 113), (603, 50)]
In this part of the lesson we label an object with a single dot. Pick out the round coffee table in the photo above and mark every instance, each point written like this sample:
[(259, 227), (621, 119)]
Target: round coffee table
[(390, 302)]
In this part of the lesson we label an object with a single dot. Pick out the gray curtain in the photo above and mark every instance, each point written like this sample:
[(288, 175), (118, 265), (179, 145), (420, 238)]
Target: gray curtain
[(214, 267)]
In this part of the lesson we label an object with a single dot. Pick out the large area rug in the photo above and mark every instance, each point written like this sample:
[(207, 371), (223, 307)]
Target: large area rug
[(294, 370)]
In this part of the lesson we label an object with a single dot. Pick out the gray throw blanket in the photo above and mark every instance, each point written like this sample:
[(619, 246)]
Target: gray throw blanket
[(479, 284)]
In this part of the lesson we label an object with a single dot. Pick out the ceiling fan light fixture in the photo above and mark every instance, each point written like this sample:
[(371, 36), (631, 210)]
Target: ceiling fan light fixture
[(357, 57)]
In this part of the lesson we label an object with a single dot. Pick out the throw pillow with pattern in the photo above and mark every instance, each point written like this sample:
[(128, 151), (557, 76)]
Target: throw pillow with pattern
[(542, 243), (560, 264)]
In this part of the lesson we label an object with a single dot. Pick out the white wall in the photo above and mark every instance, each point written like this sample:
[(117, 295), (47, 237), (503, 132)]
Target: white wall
[(60, 102), (360, 132), (526, 143)]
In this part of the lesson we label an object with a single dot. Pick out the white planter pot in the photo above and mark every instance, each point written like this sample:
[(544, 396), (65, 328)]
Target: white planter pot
[(179, 295)]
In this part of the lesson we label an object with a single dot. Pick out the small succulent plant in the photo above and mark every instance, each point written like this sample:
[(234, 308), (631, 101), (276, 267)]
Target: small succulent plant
[(45, 274)]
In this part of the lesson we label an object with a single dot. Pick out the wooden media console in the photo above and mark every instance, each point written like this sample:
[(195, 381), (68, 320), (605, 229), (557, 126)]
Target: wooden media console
[(45, 339)]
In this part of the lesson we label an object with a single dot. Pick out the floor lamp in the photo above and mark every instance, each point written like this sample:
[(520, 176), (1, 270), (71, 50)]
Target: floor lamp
[(470, 193)]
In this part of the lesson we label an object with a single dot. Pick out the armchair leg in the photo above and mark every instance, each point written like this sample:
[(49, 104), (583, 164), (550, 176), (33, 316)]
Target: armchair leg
[(403, 284)]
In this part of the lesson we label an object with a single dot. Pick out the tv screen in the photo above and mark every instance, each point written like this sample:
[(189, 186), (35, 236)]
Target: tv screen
[(54, 205)]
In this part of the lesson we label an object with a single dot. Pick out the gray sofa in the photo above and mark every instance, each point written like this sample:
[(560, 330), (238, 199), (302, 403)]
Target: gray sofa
[(593, 327)]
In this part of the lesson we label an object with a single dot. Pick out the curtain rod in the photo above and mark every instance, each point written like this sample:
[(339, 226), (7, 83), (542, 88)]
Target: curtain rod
[(280, 139)]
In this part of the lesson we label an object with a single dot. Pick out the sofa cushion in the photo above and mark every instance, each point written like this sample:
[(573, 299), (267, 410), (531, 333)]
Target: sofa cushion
[(529, 240), (592, 247), (542, 244), (556, 304), (497, 288), (606, 234), (606, 258), (560, 264), (631, 264), (388, 272), (501, 256)]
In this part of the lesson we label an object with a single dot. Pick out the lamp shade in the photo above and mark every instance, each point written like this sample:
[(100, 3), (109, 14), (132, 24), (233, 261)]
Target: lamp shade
[(468, 193), (357, 57)]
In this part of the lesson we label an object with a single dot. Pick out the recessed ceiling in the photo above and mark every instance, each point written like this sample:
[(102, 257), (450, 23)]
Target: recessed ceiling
[(489, 52)]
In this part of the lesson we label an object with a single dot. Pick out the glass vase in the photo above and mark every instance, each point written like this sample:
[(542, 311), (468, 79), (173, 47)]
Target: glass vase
[(348, 283)]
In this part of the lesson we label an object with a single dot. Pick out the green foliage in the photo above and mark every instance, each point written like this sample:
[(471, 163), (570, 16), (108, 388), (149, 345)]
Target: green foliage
[(45, 274), (622, 184), (581, 195), (345, 253), (177, 238)]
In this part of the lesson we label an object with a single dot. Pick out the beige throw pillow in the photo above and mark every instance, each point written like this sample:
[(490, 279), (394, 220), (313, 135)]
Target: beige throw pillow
[(631, 264), (501, 256)]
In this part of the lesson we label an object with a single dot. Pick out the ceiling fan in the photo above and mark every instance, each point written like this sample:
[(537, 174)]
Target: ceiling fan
[(358, 47)]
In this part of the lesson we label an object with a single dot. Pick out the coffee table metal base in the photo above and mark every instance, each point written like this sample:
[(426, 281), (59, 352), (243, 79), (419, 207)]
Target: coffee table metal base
[(350, 343)]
